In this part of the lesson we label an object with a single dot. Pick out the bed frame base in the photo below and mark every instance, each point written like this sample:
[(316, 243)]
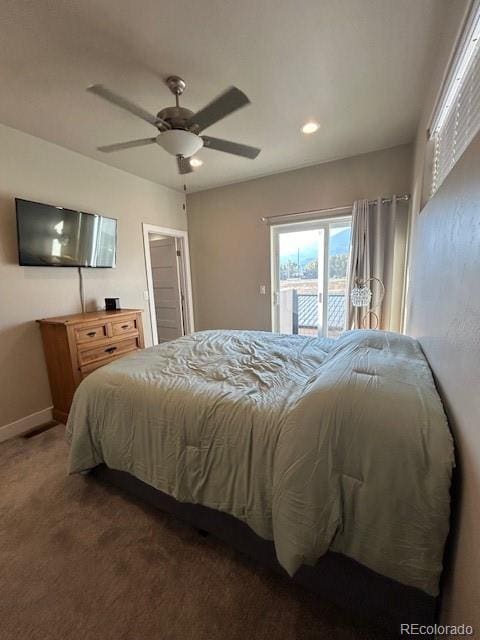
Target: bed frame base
[(336, 578)]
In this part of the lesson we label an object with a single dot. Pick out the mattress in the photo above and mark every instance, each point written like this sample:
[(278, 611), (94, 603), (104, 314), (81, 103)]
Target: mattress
[(313, 443)]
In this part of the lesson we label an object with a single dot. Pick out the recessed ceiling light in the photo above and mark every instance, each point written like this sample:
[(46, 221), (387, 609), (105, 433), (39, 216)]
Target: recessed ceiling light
[(196, 162), (310, 127)]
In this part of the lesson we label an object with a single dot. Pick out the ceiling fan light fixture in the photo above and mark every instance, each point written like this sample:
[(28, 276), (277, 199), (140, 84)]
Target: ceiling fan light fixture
[(310, 127), (178, 142)]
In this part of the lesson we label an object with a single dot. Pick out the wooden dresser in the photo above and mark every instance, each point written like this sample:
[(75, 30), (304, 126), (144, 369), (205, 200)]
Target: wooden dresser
[(78, 344)]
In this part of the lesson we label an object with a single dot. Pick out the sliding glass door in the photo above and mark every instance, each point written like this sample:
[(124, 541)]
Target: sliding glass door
[(309, 270)]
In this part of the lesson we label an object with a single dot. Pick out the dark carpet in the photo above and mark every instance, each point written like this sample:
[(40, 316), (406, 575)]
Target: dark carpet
[(80, 561)]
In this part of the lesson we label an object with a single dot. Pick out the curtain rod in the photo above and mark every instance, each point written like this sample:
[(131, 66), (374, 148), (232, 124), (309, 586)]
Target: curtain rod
[(402, 197)]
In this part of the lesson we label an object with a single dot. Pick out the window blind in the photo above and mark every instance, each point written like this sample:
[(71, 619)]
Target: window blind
[(459, 119)]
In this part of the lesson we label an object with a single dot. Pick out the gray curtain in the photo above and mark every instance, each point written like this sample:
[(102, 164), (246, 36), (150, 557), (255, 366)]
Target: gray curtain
[(378, 248)]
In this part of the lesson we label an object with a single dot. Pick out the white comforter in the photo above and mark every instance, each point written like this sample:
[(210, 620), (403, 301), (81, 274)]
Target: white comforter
[(316, 444)]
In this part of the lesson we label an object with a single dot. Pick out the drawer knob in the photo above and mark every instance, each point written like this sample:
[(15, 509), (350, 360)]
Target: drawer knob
[(92, 333), (110, 349), (124, 326)]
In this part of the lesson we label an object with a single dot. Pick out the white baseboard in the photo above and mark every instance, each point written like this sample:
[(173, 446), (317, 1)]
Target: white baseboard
[(25, 424)]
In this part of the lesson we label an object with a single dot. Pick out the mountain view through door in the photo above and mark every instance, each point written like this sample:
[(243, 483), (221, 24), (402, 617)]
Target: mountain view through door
[(311, 274)]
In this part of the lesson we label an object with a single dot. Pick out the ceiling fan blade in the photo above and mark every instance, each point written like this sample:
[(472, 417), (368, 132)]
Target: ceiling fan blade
[(184, 165), (123, 103), (230, 147), (119, 146), (228, 102)]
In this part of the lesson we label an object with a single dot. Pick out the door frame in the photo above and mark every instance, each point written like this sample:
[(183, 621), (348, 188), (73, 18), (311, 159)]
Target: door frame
[(184, 276), (289, 227)]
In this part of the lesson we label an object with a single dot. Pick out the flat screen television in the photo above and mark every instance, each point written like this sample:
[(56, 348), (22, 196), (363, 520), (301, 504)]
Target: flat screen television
[(51, 236)]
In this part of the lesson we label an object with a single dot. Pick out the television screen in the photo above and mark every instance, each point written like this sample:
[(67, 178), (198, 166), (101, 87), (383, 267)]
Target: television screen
[(51, 236)]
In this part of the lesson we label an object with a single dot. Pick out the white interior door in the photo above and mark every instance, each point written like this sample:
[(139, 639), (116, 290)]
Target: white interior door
[(166, 289)]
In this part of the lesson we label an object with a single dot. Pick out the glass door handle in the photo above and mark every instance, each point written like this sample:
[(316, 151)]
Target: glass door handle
[(320, 297)]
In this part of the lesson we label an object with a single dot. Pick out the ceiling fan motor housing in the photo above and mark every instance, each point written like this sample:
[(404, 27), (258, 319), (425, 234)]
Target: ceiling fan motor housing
[(179, 142), (177, 117)]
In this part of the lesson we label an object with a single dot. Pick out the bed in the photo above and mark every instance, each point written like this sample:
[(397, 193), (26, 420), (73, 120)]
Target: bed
[(320, 448)]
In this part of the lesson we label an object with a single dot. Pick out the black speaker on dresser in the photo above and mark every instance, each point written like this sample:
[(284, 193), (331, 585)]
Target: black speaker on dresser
[(112, 304)]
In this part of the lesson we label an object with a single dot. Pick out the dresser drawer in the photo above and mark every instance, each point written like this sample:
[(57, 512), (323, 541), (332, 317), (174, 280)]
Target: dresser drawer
[(89, 354), (93, 366), (89, 334), (129, 325)]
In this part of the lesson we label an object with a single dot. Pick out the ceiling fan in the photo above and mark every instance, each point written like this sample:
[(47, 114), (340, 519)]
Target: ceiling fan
[(178, 127)]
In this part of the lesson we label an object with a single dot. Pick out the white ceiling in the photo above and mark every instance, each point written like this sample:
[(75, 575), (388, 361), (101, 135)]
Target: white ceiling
[(359, 67)]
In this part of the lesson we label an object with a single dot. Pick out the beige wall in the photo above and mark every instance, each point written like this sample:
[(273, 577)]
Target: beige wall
[(230, 247), (37, 170), (443, 312)]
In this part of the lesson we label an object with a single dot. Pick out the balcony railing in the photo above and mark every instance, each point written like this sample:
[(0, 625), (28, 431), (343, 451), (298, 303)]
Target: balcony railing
[(299, 312)]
